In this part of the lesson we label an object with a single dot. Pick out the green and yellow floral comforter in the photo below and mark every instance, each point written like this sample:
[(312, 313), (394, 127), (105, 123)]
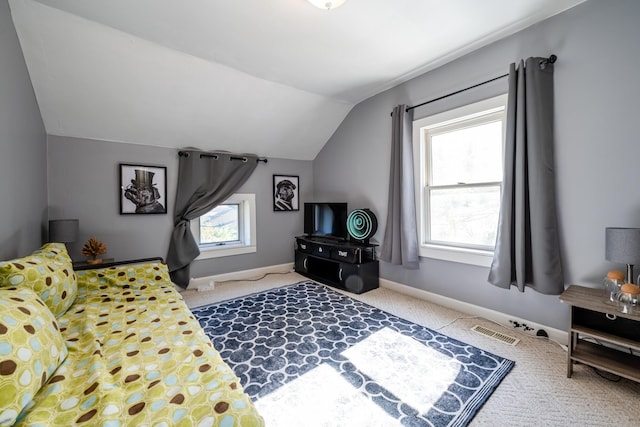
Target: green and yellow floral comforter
[(137, 357)]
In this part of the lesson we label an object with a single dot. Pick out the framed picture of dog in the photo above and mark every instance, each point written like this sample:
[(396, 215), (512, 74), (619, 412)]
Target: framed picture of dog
[(285, 193), (143, 189)]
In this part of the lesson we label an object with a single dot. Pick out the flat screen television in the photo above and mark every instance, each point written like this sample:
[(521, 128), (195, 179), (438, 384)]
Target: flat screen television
[(326, 220)]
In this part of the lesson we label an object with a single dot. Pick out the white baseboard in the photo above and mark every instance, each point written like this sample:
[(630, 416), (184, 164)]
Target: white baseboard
[(240, 275), (474, 310), (464, 307)]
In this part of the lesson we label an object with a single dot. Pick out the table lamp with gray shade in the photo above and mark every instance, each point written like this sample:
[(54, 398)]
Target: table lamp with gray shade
[(63, 230), (622, 245)]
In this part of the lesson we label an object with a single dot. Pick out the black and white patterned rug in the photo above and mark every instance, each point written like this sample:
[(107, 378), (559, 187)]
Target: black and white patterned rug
[(308, 355)]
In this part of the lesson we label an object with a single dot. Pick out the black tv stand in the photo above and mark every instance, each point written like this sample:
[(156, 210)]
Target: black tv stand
[(341, 264)]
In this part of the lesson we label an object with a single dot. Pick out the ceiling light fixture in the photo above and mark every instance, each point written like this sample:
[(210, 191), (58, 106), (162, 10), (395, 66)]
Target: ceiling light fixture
[(327, 4)]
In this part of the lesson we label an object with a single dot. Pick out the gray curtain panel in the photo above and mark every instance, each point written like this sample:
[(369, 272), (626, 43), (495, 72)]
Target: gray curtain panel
[(527, 251), (205, 180), (400, 243)]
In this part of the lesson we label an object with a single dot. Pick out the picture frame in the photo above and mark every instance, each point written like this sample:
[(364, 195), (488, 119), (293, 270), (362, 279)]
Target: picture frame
[(286, 193), (143, 189)]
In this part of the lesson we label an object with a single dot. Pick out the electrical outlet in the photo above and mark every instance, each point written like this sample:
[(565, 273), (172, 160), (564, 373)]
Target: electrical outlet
[(521, 326), (534, 330), (206, 286)]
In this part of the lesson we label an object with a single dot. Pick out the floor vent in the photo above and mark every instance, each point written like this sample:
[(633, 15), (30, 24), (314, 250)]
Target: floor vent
[(496, 335)]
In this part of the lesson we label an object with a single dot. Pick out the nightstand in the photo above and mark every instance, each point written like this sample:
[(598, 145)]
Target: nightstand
[(593, 323), (110, 262)]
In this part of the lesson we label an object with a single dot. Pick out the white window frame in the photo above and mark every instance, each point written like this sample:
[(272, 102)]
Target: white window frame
[(459, 254), (247, 230)]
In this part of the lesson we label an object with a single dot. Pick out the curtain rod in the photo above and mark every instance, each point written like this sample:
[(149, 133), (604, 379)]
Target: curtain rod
[(244, 159), (551, 59)]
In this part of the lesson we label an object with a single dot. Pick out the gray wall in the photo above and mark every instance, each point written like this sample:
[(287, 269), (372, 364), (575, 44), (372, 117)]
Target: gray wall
[(83, 183), (23, 162), (597, 148)]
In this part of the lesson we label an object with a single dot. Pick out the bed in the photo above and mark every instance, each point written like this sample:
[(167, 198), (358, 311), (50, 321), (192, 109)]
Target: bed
[(112, 346)]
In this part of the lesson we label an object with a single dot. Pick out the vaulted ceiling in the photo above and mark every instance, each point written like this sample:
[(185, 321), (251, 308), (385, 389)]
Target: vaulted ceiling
[(271, 77)]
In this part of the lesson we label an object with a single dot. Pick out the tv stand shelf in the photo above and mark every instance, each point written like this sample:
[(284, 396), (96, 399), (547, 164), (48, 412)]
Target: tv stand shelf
[(592, 318), (341, 264)]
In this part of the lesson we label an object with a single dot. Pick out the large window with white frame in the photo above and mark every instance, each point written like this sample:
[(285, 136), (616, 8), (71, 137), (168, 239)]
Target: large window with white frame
[(458, 157), (228, 229)]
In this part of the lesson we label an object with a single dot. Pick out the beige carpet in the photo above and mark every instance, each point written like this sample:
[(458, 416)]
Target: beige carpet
[(536, 392)]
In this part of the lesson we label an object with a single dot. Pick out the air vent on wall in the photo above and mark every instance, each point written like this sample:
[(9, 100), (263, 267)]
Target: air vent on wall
[(507, 339)]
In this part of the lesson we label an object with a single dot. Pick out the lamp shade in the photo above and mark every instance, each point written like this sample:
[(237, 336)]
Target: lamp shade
[(63, 230), (622, 245)]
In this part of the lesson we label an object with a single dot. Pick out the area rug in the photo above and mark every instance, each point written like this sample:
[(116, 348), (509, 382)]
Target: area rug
[(311, 356)]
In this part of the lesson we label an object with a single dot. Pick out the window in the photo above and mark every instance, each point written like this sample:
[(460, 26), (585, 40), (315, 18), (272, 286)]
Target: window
[(221, 225), (227, 229), (458, 164)]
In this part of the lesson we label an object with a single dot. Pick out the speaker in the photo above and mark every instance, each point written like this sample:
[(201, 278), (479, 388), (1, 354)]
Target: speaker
[(354, 284), (361, 225)]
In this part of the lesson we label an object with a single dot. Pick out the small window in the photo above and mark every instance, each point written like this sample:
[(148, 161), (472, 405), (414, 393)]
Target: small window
[(459, 156), (221, 225), (227, 229)]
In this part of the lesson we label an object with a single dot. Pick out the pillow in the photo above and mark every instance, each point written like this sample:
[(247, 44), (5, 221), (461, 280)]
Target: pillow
[(49, 272), (31, 349), (56, 251)]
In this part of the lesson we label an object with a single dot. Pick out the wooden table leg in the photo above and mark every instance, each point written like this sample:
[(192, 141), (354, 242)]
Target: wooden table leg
[(573, 341)]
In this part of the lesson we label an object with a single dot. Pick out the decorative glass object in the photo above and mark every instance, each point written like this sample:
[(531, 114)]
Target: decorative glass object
[(628, 298), (612, 283)]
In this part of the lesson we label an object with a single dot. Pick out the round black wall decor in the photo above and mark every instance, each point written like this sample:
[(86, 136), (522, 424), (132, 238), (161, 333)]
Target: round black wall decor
[(362, 224)]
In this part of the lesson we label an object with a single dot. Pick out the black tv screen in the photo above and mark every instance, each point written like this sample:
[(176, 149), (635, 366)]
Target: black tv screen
[(326, 220)]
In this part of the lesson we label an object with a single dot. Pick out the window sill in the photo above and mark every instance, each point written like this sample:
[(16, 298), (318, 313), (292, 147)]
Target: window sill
[(222, 251), (460, 255)]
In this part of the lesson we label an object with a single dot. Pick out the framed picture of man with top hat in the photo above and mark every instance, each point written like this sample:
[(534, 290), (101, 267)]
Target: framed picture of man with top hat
[(143, 189), (285, 193)]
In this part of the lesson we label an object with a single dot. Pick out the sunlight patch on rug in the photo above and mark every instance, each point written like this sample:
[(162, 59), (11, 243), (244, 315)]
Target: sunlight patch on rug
[(413, 372), (321, 397)]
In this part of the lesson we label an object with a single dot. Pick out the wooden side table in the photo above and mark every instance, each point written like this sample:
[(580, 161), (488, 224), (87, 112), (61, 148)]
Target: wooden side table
[(110, 262), (84, 265), (593, 319)]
